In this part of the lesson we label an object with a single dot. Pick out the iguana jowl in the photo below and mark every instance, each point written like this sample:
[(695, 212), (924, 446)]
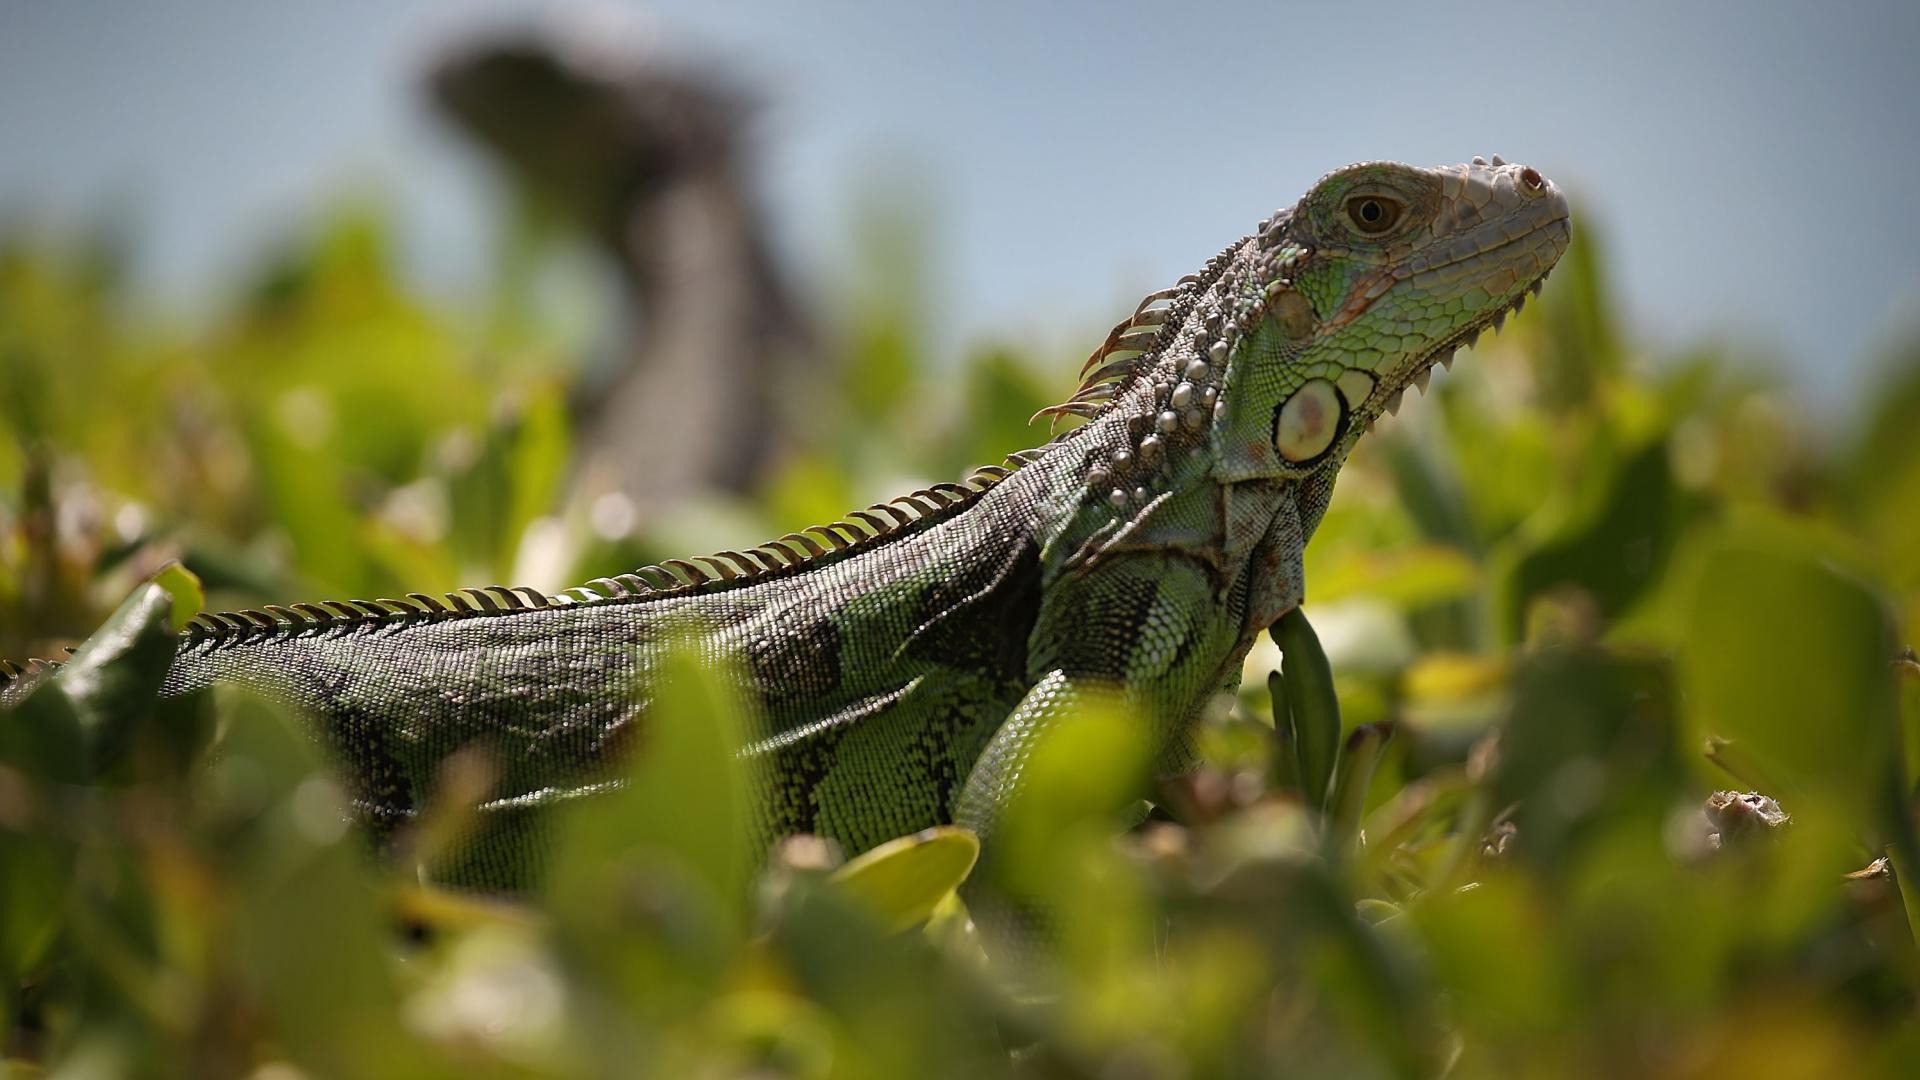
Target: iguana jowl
[(905, 660)]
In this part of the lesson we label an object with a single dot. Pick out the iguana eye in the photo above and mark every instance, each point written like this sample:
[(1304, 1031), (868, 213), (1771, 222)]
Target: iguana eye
[(1373, 214)]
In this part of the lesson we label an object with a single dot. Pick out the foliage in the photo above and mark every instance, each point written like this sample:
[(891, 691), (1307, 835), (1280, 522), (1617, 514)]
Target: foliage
[(1464, 828)]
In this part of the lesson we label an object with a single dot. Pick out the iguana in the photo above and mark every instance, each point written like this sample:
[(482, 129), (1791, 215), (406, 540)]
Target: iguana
[(905, 660)]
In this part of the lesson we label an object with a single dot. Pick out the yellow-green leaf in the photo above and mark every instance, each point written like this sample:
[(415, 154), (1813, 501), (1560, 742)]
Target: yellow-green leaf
[(903, 880), (189, 599)]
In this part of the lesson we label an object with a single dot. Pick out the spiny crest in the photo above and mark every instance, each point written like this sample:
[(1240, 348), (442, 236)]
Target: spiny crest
[(32, 668), (1137, 340), (1136, 335), (859, 531), (1244, 286)]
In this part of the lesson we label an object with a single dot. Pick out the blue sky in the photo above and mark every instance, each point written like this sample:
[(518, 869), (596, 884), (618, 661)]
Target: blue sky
[(1749, 165)]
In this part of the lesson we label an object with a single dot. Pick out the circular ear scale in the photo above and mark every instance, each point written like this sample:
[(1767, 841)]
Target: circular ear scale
[(1309, 423)]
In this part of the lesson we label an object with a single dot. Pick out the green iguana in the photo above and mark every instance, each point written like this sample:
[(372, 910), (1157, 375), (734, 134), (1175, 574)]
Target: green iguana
[(906, 659)]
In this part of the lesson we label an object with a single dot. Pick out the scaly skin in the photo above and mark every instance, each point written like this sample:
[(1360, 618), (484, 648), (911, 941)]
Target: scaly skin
[(905, 679)]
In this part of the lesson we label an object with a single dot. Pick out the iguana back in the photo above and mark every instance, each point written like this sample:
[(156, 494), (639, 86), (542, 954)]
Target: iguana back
[(879, 670)]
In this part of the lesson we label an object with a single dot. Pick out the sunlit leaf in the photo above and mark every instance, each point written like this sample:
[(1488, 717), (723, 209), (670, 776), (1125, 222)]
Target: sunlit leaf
[(903, 880), (189, 599)]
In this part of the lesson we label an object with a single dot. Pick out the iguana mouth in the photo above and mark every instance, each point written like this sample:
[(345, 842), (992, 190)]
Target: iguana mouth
[(1419, 373)]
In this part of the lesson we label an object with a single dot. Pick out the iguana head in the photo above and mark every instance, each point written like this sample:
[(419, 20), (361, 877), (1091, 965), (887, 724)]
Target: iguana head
[(1381, 271), (1287, 346)]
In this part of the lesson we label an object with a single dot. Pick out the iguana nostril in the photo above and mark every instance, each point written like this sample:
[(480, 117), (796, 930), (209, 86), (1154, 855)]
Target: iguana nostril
[(1532, 179)]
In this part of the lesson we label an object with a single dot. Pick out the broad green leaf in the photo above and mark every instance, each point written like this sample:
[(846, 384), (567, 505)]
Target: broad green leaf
[(114, 678), (1589, 741), (1052, 885), (41, 746), (898, 1007), (1084, 771), (648, 884), (309, 929), (44, 735), (1792, 659), (902, 881), (1494, 947), (684, 793), (1612, 548)]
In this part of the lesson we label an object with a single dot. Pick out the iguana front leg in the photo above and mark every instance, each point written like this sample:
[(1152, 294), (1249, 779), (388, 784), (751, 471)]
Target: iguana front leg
[(1161, 623), (1143, 632), (1140, 634)]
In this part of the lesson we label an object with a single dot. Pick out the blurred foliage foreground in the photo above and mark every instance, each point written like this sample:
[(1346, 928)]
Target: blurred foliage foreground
[(1585, 619)]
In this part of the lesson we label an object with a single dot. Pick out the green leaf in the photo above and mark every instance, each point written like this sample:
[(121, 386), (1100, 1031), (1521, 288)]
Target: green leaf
[(1793, 660), (1347, 797), (1432, 496), (113, 680), (648, 886), (306, 489), (1589, 745), (1581, 346), (1283, 771), (1612, 548), (1084, 772), (536, 467), (902, 881), (1409, 577), (1051, 878), (308, 927), (898, 1006), (42, 734), (1308, 684), (41, 745), (189, 599)]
